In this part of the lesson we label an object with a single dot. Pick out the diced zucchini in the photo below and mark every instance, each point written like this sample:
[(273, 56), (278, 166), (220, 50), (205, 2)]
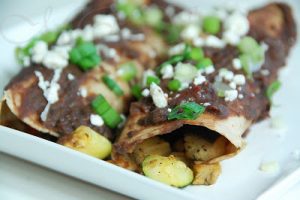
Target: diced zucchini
[(167, 170), (200, 149), (87, 141), (206, 174), (152, 146)]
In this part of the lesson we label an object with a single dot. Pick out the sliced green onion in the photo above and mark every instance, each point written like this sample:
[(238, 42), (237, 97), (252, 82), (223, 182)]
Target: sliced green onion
[(172, 34), (174, 85), (272, 89), (248, 45), (152, 79), (127, 71), (136, 91), (112, 118), (113, 85), (221, 93), (153, 16), (100, 105), (211, 24), (196, 54), (188, 110), (84, 54), (245, 61), (109, 115), (203, 63), (127, 8)]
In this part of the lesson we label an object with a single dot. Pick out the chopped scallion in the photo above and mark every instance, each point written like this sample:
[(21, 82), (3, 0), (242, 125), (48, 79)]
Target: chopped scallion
[(188, 110), (113, 85), (152, 79), (109, 115), (136, 91), (174, 85), (203, 63), (84, 54), (127, 71), (211, 24), (272, 89)]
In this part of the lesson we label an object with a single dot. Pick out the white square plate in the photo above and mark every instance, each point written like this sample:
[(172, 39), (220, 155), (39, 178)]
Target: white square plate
[(240, 179)]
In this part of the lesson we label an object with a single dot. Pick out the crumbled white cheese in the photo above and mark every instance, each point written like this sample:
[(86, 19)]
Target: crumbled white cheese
[(112, 38), (232, 85), (236, 62), (96, 120), (241, 96), (231, 38), (71, 77), (55, 60), (213, 41), (75, 34), (190, 32), (83, 92), (169, 110), (158, 96), (209, 69), (105, 25), (177, 49), (237, 23), (265, 72), (206, 104), (50, 90), (199, 79), (108, 52), (228, 76), (184, 18), (88, 33), (269, 167), (146, 92), (39, 51), (125, 33), (198, 42), (64, 38), (185, 72), (231, 95), (167, 71), (239, 79)]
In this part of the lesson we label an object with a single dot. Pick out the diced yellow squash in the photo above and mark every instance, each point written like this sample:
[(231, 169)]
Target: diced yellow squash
[(199, 149), (151, 146), (167, 170), (206, 174), (87, 141)]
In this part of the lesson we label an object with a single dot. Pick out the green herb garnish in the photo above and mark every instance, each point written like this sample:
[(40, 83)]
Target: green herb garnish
[(84, 54), (109, 115), (211, 24), (174, 85), (127, 71), (152, 79), (272, 89), (203, 63), (188, 110), (136, 91), (113, 85)]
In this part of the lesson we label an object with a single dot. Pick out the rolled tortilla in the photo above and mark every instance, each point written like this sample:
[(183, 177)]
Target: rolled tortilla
[(25, 98), (272, 25)]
